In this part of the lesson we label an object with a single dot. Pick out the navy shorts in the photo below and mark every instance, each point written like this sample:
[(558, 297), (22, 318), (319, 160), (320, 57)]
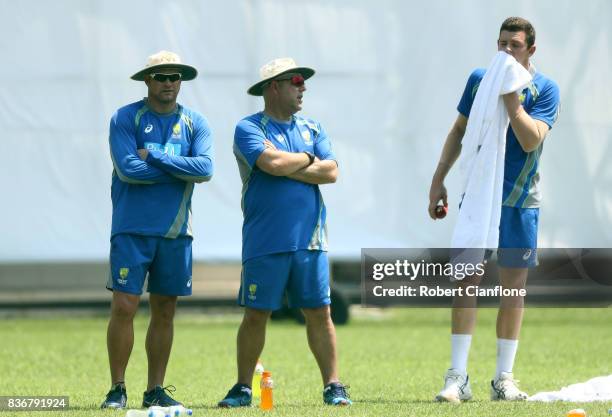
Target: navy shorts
[(166, 261), (303, 275), (518, 237)]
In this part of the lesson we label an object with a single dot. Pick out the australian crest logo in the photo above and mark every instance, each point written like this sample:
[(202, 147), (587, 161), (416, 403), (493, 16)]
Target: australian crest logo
[(176, 131), (123, 273), (252, 291), (306, 137)]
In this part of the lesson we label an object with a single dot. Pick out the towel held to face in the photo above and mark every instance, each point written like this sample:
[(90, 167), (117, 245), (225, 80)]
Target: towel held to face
[(483, 151)]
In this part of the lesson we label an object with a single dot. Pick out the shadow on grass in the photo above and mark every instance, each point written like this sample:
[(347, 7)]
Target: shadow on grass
[(90, 407), (420, 402), (96, 407)]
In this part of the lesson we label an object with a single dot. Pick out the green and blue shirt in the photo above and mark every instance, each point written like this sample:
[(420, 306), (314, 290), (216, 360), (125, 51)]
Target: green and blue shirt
[(280, 214), (153, 197), (521, 176)]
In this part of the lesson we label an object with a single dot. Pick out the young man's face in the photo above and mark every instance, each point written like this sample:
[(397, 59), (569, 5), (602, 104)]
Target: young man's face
[(515, 44)]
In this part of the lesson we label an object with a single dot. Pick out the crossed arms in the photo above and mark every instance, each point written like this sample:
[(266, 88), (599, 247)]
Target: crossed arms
[(140, 166), (196, 169), (296, 166)]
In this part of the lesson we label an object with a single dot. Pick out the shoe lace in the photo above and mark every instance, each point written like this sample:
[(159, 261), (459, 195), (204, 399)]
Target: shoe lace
[(340, 390), (510, 383), (456, 379), (237, 390), (507, 386), (170, 389), (115, 391), (118, 386)]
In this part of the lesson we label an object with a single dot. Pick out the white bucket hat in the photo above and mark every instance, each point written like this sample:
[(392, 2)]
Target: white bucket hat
[(166, 59), (275, 69)]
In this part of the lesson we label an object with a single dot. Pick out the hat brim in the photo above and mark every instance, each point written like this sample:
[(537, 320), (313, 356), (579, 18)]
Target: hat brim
[(187, 71), (257, 89)]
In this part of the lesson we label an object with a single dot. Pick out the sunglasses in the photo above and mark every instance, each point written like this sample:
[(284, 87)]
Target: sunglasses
[(162, 78), (296, 80)]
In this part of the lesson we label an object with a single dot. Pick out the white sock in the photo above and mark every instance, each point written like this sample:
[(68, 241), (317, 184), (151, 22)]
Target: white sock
[(506, 352), (460, 349)]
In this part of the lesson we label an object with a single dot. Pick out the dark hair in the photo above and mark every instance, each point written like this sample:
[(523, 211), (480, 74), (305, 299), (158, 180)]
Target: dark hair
[(518, 24)]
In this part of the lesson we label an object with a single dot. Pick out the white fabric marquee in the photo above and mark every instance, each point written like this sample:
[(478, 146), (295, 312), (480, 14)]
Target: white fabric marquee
[(389, 77)]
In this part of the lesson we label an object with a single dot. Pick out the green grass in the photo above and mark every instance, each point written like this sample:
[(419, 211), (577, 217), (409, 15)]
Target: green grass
[(394, 361)]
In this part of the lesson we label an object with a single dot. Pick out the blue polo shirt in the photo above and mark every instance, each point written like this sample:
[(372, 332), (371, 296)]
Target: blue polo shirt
[(521, 176), (280, 214), (153, 197)]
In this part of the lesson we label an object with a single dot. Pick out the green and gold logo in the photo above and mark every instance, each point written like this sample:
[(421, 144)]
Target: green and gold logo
[(176, 130), (252, 291), (306, 137), (123, 273)]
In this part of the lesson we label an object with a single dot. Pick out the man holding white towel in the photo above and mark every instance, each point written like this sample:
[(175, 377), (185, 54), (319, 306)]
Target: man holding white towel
[(532, 114)]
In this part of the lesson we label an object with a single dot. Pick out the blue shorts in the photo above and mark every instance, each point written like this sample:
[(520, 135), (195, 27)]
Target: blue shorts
[(518, 237), (304, 274), (167, 262)]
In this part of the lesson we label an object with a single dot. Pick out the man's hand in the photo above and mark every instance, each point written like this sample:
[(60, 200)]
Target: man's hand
[(437, 192), (143, 153), (529, 132), (319, 172)]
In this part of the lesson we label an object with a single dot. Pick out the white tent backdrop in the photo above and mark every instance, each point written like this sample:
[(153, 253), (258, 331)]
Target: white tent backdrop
[(389, 77)]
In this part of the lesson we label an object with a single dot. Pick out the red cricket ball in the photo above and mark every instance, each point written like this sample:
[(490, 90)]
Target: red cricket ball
[(441, 212)]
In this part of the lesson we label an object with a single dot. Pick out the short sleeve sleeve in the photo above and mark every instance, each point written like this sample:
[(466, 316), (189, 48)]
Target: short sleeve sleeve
[(546, 108), (467, 99), (323, 146), (248, 141)]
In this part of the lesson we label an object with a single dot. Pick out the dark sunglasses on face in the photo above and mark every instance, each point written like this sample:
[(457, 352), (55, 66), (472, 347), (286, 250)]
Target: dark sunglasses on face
[(162, 78), (296, 80)]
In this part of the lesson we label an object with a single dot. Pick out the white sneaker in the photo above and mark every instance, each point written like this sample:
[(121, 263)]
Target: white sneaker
[(456, 387), (505, 388)]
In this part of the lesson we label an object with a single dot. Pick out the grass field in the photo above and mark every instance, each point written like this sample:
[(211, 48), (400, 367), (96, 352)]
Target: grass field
[(394, 361)]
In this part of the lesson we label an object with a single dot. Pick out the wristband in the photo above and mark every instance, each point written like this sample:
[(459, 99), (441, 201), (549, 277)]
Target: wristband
[(311, 158)]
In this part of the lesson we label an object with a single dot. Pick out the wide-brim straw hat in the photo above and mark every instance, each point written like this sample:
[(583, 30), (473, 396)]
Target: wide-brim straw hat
[(276, 68), (163, 60)]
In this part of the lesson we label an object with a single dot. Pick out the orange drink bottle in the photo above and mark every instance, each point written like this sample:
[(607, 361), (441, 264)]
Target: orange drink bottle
[(266, 391)]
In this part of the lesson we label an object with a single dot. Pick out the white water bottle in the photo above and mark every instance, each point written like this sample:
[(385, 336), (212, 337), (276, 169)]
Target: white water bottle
[(179, 411), (137, 413), (173, 411), (155, 411), (146, 413)]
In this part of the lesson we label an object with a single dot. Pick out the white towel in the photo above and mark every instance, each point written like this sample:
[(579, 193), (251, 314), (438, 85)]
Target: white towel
[(482, 155), (596, 389)]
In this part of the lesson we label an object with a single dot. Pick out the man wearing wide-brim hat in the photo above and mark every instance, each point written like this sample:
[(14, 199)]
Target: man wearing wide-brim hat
[(159, 149), (165, 61), (282, 159)]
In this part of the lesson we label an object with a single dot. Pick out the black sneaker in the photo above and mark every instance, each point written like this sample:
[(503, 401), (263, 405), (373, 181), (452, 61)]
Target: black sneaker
[(116, 397), (157, 396), (239, 396), (335, 394)]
